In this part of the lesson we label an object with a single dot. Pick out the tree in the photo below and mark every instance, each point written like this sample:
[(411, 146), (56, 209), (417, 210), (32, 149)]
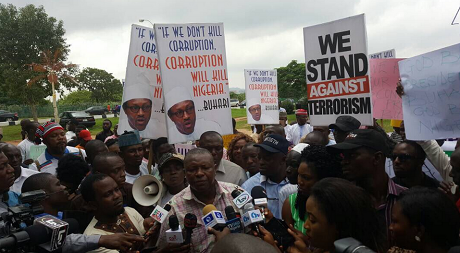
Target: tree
[(52, 70), (102, 85), (292, 80), (24, 34), (76, 97)]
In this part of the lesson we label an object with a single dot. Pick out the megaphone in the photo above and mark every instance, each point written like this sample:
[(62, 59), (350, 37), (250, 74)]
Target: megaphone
[(147, 190)]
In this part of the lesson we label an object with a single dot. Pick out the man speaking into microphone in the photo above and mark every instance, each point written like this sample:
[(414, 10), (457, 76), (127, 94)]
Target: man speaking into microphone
[(203, 190)]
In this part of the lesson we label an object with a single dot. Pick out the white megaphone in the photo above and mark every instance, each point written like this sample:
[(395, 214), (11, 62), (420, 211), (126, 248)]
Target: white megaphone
[(147, 190)]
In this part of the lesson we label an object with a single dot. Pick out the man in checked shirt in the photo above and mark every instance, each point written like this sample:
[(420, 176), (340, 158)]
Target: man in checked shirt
[(203, 189)]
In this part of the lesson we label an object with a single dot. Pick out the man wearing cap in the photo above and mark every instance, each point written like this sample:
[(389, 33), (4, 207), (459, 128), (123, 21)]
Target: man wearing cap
[(256, 112), (132, 152), (343, 126), (272, 175), (364, 154), (181, 111), (85, 137), (284, 121), (53, 136), (171, 167), (300, 129)]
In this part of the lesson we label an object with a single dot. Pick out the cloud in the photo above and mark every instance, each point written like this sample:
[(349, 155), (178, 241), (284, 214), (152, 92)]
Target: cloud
[(259, 34)]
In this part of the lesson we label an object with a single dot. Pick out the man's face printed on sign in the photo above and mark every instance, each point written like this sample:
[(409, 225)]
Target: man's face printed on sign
[(255, 111), (184, 117)]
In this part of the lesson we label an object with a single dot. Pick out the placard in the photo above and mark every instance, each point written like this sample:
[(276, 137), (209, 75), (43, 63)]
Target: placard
[(142, 107), (386, 104), (261, 96), (36, 151), (384, 54), (193, 68), (338, 71), (431, 104)]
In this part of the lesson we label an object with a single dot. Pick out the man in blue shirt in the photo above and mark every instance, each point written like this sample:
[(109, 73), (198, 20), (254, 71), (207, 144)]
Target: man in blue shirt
[(272, 175)]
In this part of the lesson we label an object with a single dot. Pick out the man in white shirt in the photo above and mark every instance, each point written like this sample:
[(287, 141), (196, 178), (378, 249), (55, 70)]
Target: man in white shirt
[(132, 152), (20, 173), (53, 136), (24, 145), (300, 129)]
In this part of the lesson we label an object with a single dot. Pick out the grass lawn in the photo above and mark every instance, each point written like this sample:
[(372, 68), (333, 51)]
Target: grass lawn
[(12, 133), (238, 113)]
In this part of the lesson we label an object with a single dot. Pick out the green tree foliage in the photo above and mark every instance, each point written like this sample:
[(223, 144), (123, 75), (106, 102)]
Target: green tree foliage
[(24, 34), (76, 97), (240, 96), (292, 81), (102, 85)]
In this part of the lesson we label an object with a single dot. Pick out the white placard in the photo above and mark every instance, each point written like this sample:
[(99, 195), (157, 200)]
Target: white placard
[(338, 71), (261, 96), (431, 104), (193, 68), (142, 107), (384, 54)]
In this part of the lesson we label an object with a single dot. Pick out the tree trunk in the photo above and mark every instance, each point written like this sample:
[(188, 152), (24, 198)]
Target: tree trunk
[(56, 115), (34, 112)]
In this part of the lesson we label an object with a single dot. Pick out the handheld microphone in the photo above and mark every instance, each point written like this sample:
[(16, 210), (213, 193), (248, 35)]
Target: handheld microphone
[(240, 198), (233, 222), (252, 217), (260, 199), (159, 214), (213, 218), (174, 234), (58, 230), (190, 221)]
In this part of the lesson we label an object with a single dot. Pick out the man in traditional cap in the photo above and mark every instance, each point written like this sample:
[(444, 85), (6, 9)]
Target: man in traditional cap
[(53, 136), (132, 152), (255, 109), (300, 129), (181, 111)]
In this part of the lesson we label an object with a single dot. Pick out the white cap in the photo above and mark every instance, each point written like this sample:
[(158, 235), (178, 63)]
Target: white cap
[(299, 147), (138, 90), (253, 101), (177, 95)]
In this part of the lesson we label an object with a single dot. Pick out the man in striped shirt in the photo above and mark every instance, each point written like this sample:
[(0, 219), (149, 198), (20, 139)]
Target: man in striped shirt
[(203, 189), (364, 154)]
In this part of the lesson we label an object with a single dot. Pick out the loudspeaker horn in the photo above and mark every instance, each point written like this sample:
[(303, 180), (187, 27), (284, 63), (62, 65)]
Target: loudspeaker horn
[(147, 190)]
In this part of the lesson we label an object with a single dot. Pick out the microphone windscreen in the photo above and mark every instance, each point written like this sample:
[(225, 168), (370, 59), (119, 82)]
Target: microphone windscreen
[(167, 207), (248, 207), (173, 222), (235, 193), (230, 213), (258, 192), (208, 208), (190, 221)]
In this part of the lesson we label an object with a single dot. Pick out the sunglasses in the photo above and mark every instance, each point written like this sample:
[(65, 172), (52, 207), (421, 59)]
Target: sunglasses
[(401, 157)]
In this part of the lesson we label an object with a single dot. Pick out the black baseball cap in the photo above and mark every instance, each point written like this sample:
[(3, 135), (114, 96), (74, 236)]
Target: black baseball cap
[(169, 157), (362, 138), (274, 143), (346, 123)]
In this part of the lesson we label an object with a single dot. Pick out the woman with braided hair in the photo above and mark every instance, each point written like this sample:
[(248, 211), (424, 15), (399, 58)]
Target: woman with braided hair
[(235, 147)]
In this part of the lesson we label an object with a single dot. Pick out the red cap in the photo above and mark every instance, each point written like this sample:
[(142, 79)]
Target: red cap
[(85, 135), (301, 112)]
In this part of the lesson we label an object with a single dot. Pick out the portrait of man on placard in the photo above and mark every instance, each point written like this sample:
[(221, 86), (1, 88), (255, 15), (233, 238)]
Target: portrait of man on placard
[(182, 113), (138, 106), (255, 110)]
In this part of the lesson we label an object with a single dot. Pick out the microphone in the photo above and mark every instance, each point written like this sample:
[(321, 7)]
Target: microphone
[(190, 221), (213, 218), (159, 214), (233, 222), (251, 217), (260, 199), (174, 234), (37, 234), (58, 230), (240, 198)]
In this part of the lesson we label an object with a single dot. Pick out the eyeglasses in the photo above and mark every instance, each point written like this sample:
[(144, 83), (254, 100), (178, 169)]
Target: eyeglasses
[(255, 109), (402, 157), (136, 108), (180, 113)]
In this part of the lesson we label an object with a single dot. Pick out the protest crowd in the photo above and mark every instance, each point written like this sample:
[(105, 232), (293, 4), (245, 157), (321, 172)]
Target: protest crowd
[(203, 186)]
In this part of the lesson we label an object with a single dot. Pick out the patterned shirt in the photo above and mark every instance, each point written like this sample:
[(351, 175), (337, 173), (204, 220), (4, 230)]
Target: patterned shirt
[(384, 210), (185, 202)]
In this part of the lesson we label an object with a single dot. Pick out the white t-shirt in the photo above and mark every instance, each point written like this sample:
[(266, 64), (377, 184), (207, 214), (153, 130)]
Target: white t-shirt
[(48, 163), (296, 132), (131, 178), (25, 173)]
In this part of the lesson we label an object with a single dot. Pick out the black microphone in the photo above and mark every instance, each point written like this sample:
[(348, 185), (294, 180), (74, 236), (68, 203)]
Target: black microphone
[(190, 221), (236, 193), (233, 222), (174, 234)]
